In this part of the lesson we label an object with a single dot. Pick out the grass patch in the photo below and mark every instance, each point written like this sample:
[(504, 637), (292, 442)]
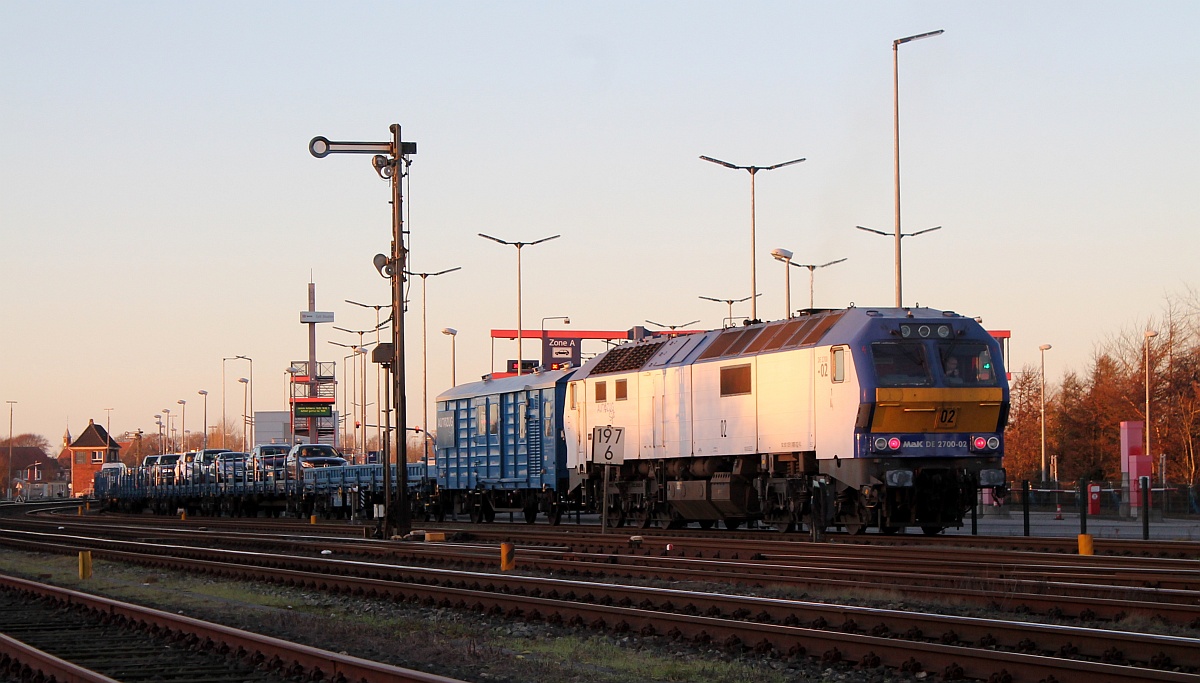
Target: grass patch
[(609, 660)]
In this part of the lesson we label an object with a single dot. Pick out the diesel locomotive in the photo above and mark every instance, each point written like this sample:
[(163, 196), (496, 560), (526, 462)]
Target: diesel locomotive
[(854, 418)]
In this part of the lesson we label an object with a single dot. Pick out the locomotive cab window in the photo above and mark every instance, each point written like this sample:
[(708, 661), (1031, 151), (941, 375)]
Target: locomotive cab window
[(967, 364), (621, 389), (839, 365), (735, 380), (601, 392), (900, 364)]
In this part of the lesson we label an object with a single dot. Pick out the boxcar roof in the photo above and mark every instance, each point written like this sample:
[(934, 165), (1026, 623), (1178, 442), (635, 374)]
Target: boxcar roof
[(504, 385)]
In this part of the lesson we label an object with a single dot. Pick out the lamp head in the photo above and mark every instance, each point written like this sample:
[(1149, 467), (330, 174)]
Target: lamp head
[(449, 331), (1151, 333), (781, 254), (202, 392), (566, 321), (1044, 347)]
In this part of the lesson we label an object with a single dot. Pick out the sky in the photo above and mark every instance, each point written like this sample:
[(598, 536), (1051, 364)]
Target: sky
[(160, 211)]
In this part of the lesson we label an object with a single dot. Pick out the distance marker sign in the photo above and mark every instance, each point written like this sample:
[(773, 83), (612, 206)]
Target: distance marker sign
[(608, 445)]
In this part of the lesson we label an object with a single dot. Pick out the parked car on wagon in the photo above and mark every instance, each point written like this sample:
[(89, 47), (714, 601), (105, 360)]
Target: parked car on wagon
[(164, 469), (308, 455), (231, 466), (268, 460)]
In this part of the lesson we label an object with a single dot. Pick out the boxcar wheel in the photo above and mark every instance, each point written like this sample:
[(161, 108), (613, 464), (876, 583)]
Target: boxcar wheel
[(732, 524), (889, 530), (707, 523), (932, 530)]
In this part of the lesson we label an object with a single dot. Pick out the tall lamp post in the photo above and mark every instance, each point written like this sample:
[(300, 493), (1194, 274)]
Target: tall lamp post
[(10, 446), (250, 414), (204, 393), (453, 334), (378, 369), (162, 447), (753, 250), (391, 161), (183, 425), (731, 302), (1045, 473), (519, 246), (1150, 334), (425, 350), (245, 415), (359, 352), (896, 130), (167, 419)]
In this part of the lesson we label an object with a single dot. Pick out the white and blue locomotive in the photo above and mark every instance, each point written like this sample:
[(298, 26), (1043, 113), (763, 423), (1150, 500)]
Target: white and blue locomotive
[(853, 418)]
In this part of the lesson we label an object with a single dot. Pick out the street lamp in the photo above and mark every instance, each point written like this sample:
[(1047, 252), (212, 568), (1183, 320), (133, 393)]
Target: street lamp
[(183, 427), (896, 130), (1044, 348), (1149, 334), (425, 347), (378, 369), (245, 420), (204, 393), (161, 446), (731, 302), (10, 445), (167, 419), (519, 245), (250, 415), (898, 235), (358, 350), (453, 334), (753, 172), (672, 328), (786, 256)]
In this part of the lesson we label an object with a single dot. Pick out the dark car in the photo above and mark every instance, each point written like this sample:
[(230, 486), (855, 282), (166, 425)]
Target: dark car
[(164, 469), (231, 466), (269, 459), (307, 455)]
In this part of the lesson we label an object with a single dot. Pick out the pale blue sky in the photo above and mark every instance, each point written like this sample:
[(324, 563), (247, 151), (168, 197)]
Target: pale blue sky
[(159, 209)]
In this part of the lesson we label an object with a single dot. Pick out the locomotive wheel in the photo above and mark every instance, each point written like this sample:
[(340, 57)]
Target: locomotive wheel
[(640, 518), (932, 530), (856, 524), (616, 518), (732, 524), (707, 523)]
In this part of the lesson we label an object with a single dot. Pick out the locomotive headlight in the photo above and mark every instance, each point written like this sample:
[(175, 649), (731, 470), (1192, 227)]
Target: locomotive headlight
[(985, 444), (943, 331), (899, 478), (991, 478), (882, 444)]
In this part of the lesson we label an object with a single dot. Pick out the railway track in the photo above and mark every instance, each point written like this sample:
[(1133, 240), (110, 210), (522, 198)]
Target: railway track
[(1083, 588), (51, 633), (953, 647)]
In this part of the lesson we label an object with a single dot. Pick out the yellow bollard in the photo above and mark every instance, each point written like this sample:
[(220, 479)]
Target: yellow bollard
[(79, 511), (85, 564), (508, 557), (183, 515), (312, 519), (1085, 544)]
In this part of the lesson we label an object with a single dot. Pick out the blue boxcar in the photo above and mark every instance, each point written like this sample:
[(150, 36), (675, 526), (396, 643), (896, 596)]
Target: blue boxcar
[(499, 446)]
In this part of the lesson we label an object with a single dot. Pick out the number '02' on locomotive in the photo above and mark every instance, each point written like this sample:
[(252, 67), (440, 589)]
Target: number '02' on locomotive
[(852, 418)]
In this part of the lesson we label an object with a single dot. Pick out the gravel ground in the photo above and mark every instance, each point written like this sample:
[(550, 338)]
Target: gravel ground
[(457, 644)]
